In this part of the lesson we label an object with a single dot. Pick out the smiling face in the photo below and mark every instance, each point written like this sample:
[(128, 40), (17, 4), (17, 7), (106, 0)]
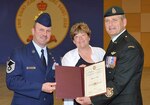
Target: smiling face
[(81, 40), (41, 34), (115, 24), (80, 34)]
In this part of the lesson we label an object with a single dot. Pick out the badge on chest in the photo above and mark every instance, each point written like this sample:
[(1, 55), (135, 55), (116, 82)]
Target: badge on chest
[(111, 61)]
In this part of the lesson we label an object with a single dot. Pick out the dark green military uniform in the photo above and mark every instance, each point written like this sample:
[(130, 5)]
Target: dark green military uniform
[(124, 63)]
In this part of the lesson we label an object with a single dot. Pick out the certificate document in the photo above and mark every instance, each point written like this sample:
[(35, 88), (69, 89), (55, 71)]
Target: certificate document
[(95, 79), (72, 82)]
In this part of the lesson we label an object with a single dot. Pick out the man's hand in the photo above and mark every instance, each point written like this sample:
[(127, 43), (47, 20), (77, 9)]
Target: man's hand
[(84, 100), (48, 87), (83, 65)]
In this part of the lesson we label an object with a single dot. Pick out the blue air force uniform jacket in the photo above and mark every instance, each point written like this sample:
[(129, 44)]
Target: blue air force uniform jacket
[(25, 76), (124, 63)]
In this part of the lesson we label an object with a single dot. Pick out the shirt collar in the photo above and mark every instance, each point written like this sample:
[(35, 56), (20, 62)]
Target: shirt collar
[(115, 37), (38, 48)]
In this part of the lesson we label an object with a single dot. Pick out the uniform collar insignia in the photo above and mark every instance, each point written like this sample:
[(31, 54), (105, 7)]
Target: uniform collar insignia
[(33, 51), (115, 42)]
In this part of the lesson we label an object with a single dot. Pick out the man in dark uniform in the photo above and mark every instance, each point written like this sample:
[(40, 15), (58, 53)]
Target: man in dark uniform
[(124, 63), (29, 71)]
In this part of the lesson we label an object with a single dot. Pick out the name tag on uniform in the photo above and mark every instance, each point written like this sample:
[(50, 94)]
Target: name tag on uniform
[(30, 67), (111, 61)]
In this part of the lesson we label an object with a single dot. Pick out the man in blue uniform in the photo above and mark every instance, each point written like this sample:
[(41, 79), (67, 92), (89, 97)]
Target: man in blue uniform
[(124, 63), (29, 71)]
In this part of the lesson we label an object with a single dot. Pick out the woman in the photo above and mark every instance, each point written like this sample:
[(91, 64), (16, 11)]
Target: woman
[(84, 54)]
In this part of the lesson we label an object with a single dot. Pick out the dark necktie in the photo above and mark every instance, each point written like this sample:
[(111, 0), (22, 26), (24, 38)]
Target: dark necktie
[(43, 58)]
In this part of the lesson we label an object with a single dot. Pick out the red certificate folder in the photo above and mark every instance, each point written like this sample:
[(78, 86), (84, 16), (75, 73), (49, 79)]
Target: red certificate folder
[(72, 82)]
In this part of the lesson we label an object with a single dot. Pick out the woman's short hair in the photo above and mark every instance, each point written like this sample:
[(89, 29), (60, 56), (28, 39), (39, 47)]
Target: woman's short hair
[(79, 28)]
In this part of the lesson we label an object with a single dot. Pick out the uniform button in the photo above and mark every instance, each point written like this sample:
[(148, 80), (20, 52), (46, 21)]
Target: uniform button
[(44, 99), (110, 72)]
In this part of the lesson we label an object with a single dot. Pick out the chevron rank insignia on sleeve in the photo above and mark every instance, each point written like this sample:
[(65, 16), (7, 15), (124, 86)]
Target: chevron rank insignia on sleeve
[(10, 66)]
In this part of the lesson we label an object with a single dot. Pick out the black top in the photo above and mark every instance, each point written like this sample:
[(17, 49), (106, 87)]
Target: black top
[(80, 62)]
